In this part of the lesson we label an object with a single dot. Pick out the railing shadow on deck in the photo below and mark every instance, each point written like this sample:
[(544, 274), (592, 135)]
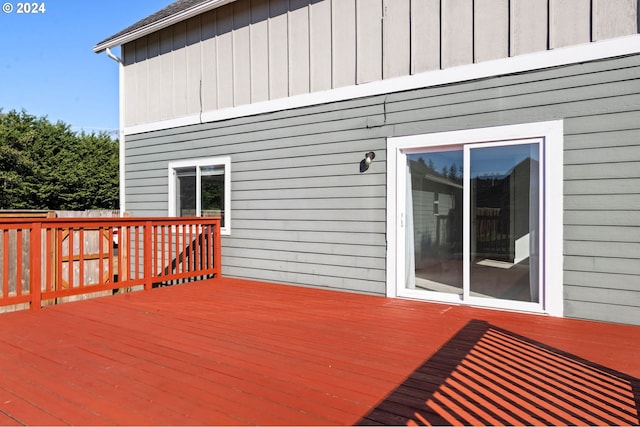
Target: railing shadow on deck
[(487, 375), (45, 261)]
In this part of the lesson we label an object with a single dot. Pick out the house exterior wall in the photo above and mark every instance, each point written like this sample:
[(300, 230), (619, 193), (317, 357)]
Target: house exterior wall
[(304, 214), (251, 51)]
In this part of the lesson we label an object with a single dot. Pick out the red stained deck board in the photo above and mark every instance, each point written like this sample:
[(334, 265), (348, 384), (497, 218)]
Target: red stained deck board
[(279, 387), (253, 355), (16, 410), (240, 352)]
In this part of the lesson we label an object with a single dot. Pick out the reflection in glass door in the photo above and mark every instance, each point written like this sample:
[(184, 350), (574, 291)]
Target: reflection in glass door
[(504, 222), (473, 221), (434, 221)]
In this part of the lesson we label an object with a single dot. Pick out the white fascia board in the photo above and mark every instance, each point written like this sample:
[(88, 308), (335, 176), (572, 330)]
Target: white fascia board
[(161, 24), (611, 48)]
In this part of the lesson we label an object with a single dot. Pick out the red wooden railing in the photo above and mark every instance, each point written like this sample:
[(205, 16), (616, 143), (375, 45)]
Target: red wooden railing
[(45, 260)]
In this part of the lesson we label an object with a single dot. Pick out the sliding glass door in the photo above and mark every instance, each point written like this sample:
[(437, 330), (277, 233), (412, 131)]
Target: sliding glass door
[(471, 223)]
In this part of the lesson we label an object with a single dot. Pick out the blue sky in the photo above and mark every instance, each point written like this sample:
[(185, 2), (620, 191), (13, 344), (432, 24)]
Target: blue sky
[(47, 65)]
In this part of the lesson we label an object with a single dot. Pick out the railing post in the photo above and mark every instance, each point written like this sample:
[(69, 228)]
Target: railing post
[(35, 264), (217, 248), (147, 255)]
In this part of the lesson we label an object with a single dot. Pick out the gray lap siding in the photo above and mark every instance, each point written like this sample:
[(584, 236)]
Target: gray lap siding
[(302, 213)]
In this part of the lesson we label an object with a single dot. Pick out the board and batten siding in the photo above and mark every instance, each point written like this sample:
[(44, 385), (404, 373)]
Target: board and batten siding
[(251, 51), (304, 214)]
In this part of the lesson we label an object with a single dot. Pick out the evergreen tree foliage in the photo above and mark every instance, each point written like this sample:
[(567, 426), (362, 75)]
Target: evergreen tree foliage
[(47, 166)]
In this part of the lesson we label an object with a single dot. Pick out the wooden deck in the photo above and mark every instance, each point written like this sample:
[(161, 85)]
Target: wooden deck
[(236, 352)]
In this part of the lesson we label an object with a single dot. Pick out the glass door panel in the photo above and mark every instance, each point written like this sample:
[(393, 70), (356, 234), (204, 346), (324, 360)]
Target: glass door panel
[(434, 232), (504, 222)]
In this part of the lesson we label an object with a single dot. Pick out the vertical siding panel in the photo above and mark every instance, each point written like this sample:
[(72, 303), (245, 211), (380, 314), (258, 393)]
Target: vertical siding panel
[(343, 13), (528, 26), (425, 35), (491, 29), (278, 54), (224, 50), (142, 91), (166, 63), (298, 46), (241, 53), (397, 38), (180, 69), (194, 65), (259, 50), (457, 33), (570, 22), (614, 18), (209, 64), (320, 45), (129, 53), (130, 82), (155, 81), (369, 40)]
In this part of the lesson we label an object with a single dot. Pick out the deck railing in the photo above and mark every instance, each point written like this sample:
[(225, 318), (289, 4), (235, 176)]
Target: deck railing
[(44, 261)]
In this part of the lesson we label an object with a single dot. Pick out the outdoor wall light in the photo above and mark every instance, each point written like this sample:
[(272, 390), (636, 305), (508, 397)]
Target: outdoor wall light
[(368, 158)]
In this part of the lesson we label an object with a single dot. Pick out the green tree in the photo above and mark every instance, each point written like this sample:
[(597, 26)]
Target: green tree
[(47, 166)]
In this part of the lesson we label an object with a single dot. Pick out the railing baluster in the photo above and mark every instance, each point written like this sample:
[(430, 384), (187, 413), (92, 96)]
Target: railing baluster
[(155, 269), (148, 283), (191, 244), (188, 242), (205, 255), (136, 257), (178, 251), (120, 272), (35, 274), (19, 262), (212, 244), (169, 247), (163, 242), (5, 263), (81, 257), (124, 246), (182, 248), (110, 254), (59, 260), (48, 260), (70, 257), (101, 255)]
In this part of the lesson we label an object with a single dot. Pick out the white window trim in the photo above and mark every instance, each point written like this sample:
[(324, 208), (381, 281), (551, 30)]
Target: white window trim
[(552, 159), (199, 163)]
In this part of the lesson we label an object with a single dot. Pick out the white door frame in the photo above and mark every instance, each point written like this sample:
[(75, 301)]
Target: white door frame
[(551, 158)]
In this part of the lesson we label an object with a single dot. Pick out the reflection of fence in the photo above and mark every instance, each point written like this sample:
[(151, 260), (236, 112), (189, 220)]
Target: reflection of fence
[(492, 232), (42, 260)]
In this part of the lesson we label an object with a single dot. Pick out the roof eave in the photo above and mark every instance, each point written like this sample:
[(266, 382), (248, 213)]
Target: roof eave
[(159, 25)]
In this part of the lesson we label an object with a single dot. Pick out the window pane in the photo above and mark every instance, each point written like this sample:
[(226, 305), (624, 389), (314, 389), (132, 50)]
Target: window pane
[(186, 191), (212, 191)]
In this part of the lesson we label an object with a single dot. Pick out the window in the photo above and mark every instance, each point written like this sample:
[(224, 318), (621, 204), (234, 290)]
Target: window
[(201, 187)]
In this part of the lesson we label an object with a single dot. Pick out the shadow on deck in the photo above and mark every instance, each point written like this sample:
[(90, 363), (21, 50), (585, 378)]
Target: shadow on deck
[(237, 352), (489, 376)]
